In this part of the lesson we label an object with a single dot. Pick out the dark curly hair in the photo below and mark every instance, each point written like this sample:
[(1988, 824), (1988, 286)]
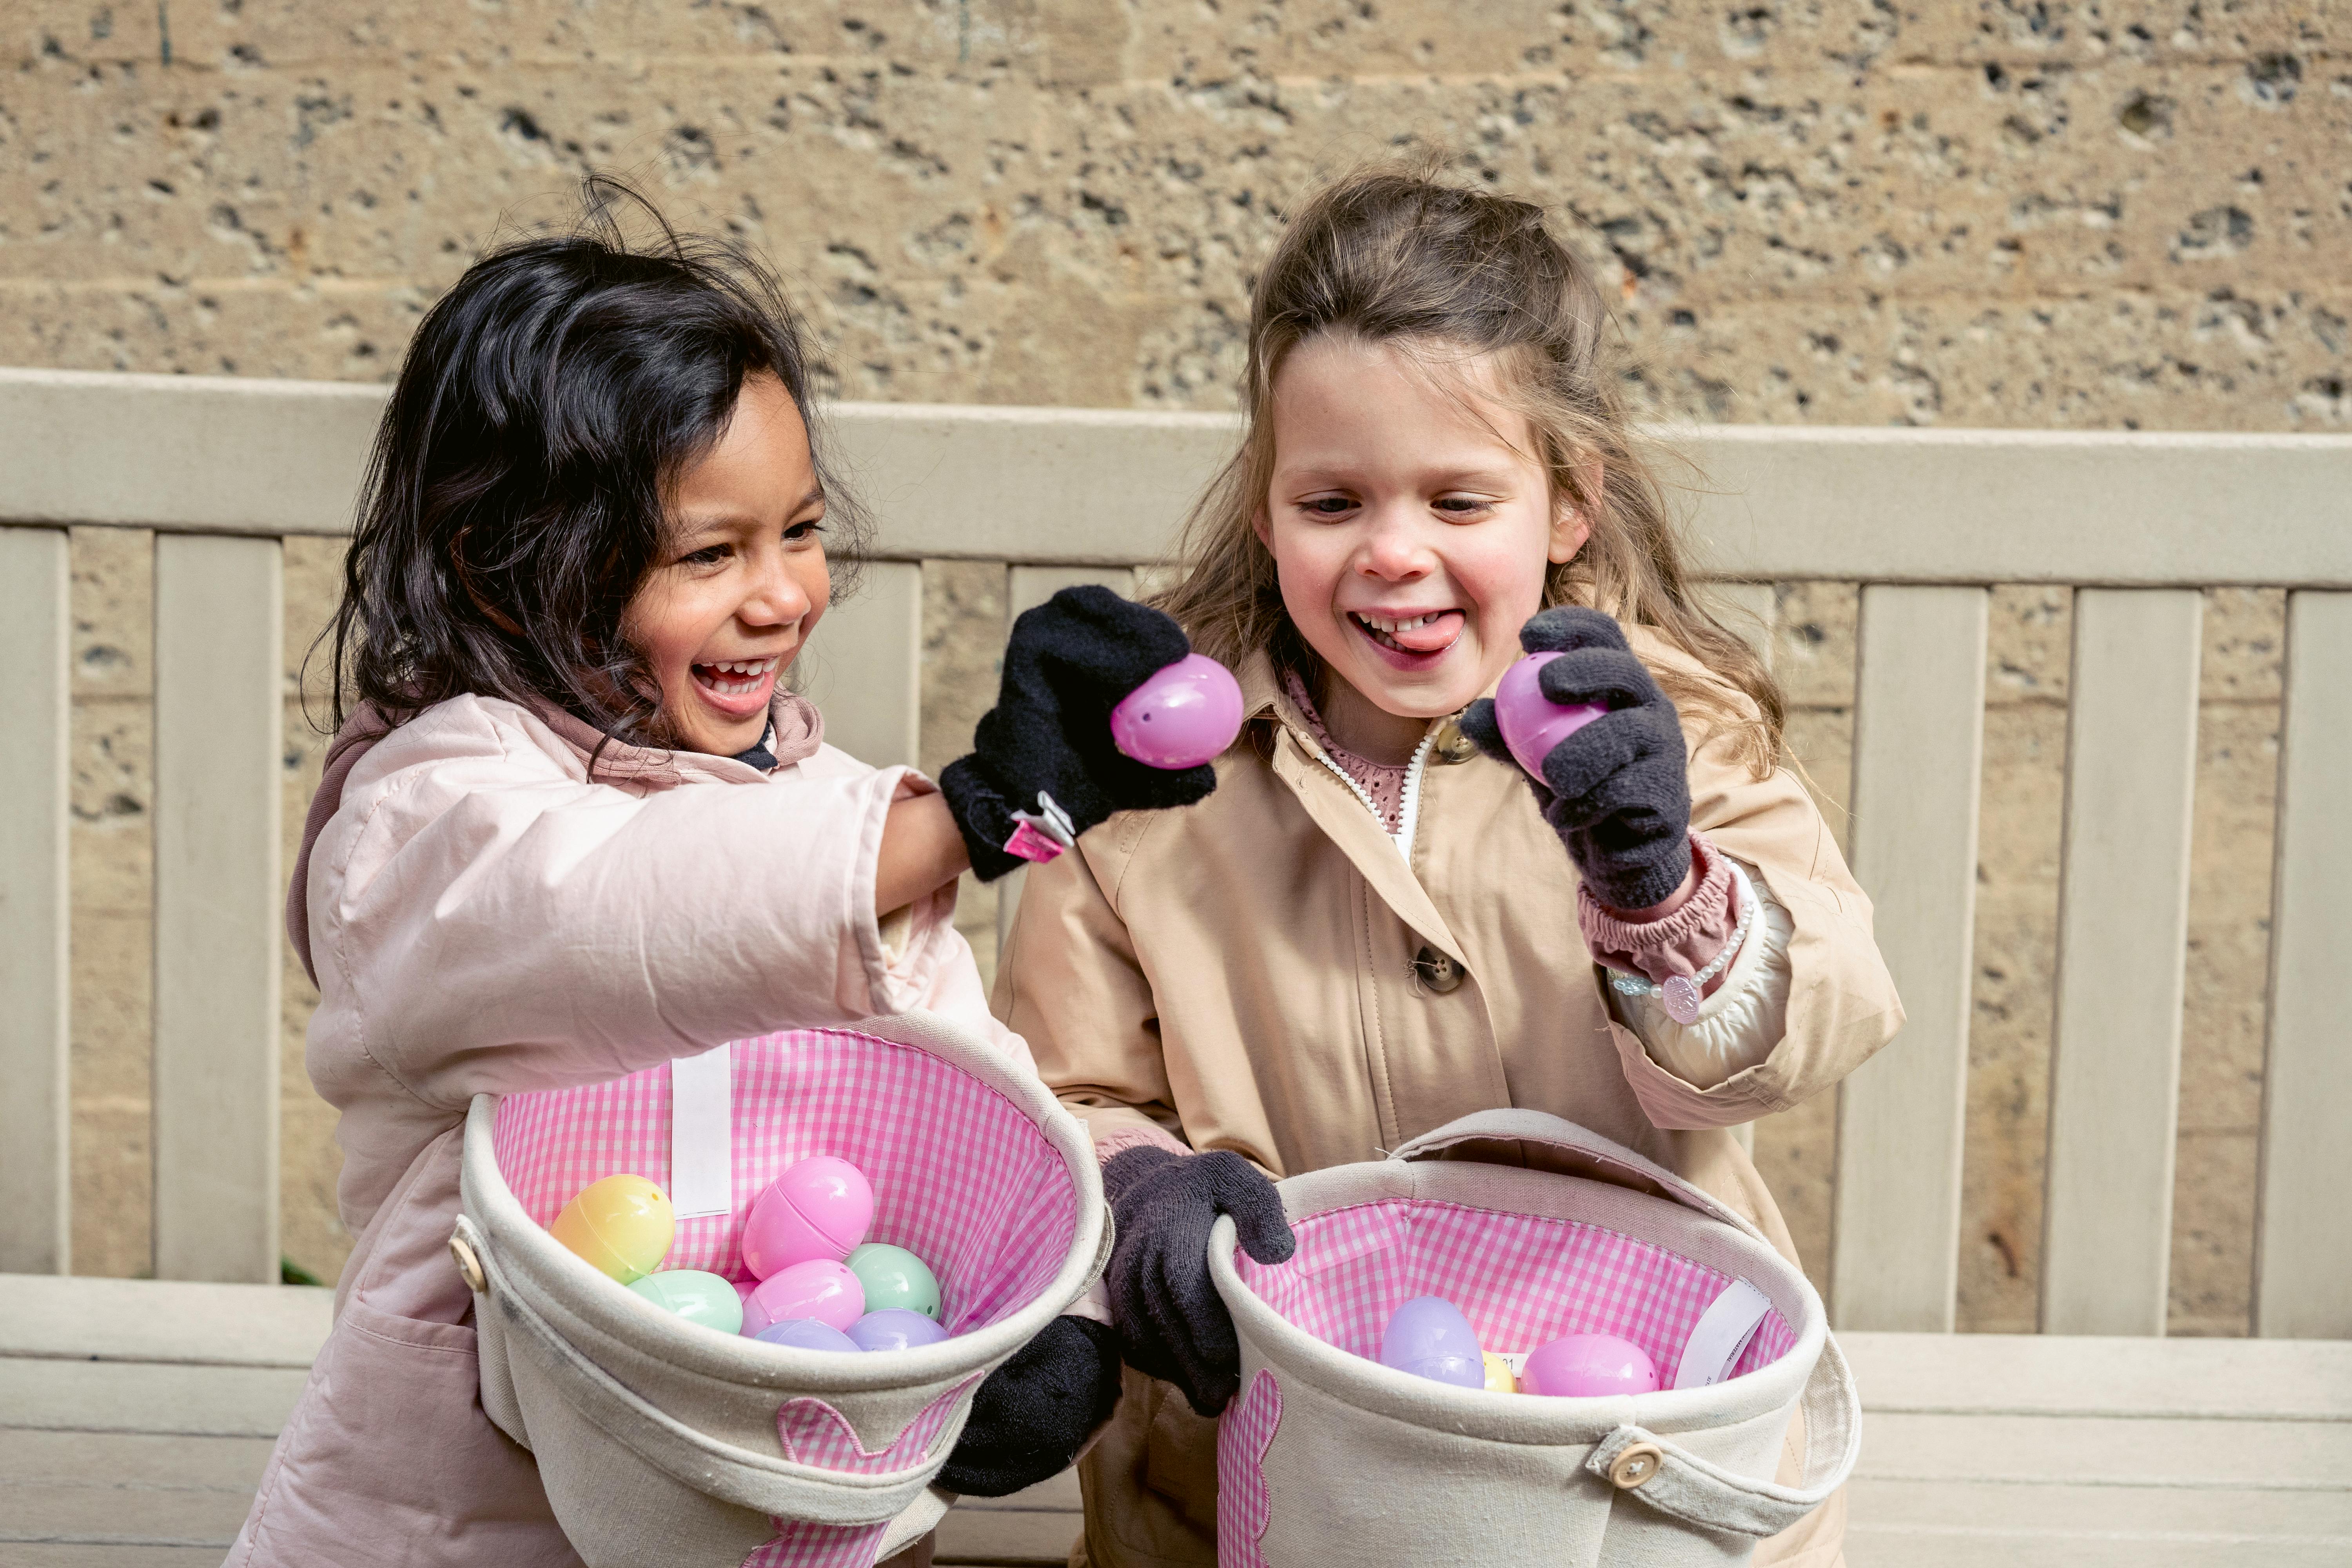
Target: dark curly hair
[(515, 498)]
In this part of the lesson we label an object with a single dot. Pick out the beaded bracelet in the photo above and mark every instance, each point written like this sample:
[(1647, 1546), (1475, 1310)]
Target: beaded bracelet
[(1683, 994)]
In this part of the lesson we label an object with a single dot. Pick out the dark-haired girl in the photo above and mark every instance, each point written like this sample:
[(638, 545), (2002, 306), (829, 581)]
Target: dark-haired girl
[(573, 825)]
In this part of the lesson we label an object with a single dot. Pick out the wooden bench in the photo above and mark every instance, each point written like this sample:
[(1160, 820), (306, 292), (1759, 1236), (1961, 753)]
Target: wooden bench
[(133, 1414)]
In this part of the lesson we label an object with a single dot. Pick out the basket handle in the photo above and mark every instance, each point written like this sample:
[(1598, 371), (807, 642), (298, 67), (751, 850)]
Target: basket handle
[(772, 1487), (1610, 1160), (1675, 1481)]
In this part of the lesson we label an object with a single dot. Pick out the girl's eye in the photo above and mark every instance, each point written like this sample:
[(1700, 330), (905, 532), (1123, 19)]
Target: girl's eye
[(1329, 506), (802, 532), (709, 555), (1462, 506)]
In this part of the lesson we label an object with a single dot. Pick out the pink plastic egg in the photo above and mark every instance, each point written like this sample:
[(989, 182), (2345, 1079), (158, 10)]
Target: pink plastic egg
[(1532, 723), (819, 1288), (1583, 1366), (1186, 714), (819, 1207)]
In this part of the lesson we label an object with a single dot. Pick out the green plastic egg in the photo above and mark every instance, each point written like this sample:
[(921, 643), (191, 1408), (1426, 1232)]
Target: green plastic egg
[(894, 1277), (698, 1297)]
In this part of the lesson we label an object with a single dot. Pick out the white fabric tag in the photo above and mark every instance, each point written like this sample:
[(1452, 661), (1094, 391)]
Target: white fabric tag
[(1722, 1333), (701, 1148)]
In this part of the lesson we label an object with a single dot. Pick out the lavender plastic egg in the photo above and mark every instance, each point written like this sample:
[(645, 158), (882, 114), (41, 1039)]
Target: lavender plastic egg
[(1589, 1365), (819, 1207), (807, 1334), (1186, 714), (1429, 1337), (1532, 723), (819, 1288), (895, 1329)]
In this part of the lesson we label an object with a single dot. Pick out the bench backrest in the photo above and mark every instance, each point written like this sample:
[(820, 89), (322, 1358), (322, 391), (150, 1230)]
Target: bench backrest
[(1925, 520)]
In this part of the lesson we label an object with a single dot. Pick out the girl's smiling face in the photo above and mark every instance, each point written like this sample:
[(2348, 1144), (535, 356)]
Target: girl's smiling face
[(1412, 526), (743, 576)]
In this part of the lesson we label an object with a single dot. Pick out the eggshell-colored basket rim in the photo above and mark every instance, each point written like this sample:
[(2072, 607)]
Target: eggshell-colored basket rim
[(529, 1253)]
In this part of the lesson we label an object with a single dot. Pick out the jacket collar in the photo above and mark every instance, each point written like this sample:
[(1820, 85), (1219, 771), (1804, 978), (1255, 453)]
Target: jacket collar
[(796, 731), (1291, 752)]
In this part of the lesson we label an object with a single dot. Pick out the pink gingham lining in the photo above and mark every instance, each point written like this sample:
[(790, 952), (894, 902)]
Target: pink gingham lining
[(962, 1177), (1520, 1279), (1244, 1505), (800, 1544)]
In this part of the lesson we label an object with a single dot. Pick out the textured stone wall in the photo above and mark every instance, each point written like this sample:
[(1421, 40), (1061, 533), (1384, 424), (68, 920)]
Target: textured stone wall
[(2001, 213)]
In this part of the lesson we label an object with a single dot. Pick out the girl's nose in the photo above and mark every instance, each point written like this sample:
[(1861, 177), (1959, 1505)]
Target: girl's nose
[(777, 597), (1393, 548)]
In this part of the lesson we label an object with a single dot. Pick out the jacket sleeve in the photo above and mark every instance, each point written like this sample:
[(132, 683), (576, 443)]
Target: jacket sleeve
[(1841, 1004), (499, 924), (1070, 984)]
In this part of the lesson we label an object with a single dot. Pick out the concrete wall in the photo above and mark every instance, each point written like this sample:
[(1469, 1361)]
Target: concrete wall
[(1975, 214)]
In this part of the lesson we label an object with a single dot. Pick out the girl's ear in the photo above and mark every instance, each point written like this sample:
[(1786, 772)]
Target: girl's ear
[(1572, 522), (1261, 527)]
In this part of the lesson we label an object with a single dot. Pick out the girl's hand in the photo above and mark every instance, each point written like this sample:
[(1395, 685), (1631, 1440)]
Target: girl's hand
[(1618, 791), (1069, 662), (1171, 1323), (1031, 1416)]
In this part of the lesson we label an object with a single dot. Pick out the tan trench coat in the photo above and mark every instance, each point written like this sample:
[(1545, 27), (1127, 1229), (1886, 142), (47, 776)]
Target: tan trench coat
[(1264, 972)]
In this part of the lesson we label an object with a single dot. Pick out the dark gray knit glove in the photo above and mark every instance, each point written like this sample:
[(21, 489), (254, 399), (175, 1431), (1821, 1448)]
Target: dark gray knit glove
[(1618, 791), (1069, 662), (1030, 1416), (1171, 1323)]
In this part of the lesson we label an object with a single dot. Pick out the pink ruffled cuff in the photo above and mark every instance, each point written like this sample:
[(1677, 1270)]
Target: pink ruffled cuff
[(1121, 1140), (1683, 942)]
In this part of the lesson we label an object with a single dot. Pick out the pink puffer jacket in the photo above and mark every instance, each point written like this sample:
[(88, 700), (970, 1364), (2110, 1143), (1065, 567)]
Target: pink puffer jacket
[(482, 916)]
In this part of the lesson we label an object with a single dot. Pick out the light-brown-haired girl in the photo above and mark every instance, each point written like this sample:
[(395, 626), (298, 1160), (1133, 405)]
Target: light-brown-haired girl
[(1370, 927)]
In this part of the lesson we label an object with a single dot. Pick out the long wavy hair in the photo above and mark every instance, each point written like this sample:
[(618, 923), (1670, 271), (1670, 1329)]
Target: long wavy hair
[(1397, 256), (516, 498)]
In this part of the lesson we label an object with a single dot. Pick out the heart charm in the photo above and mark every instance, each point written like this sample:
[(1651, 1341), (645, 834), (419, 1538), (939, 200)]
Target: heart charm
[(1682, 999)]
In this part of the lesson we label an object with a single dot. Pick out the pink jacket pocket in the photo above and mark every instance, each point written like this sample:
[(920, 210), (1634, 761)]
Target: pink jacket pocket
[(388, 1462)]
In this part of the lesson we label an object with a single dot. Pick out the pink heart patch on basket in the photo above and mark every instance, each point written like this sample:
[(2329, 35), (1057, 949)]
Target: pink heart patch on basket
[(1244, 1506), (813, 1433)]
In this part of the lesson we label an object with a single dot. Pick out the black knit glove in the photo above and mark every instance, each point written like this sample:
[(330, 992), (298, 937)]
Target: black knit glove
[(1030, 1416), (1069, 662), (1172, 1324), (1618, 791)]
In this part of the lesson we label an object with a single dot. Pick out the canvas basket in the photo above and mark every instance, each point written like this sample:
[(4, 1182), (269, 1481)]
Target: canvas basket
[(1535, 1227), (662, 1440)]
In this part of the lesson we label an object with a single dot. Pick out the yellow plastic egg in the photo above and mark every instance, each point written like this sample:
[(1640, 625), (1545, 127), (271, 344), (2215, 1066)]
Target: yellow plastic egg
[(1498, 1375), (623, 1226)]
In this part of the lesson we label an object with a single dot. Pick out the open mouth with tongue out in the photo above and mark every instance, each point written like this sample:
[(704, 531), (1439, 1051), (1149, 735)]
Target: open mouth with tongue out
[(1409, 641)]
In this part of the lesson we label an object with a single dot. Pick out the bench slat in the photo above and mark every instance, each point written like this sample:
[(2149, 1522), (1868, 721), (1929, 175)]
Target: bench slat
[(1918, 754), (866, 667), (1029, 587), (219, 771), (2123, 930), (35, 704), (2303, 1249)]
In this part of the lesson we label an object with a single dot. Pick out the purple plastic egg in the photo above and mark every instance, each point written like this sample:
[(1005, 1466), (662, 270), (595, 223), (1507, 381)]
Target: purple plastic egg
[(819, 1288), (895, 1329), (1532, 723), (807, 1334), (819, 1207), (1584, 1366), (1186, 714), (1429, 1337)]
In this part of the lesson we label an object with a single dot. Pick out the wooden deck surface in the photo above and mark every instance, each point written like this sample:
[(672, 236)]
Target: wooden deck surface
[(136, 1417)]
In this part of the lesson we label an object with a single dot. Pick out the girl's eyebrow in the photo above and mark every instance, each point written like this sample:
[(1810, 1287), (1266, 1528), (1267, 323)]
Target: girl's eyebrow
[(735, 517)]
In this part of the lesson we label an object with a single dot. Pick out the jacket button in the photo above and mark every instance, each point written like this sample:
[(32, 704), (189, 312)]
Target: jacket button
[(1437, 969), (1450, 744)]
